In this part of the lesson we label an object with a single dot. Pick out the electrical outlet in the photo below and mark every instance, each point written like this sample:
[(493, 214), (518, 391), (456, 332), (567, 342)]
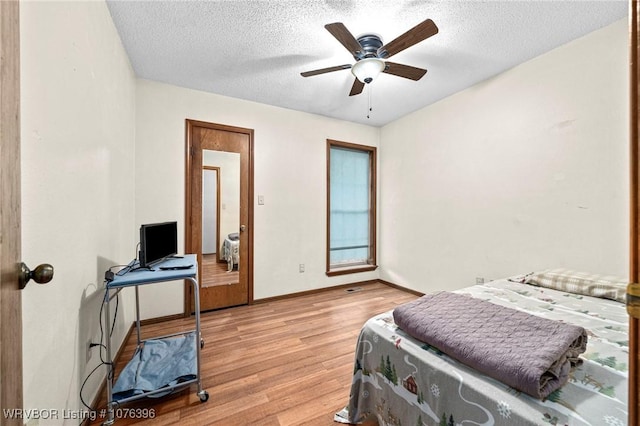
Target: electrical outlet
[(88, 357), (479, 280), (301, 267)]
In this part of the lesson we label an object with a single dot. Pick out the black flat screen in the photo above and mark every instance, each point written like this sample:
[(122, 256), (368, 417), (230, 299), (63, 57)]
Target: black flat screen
[(157, 241)]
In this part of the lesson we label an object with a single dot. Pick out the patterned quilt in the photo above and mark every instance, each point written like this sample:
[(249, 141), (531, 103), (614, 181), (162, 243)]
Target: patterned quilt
[(399, 380)]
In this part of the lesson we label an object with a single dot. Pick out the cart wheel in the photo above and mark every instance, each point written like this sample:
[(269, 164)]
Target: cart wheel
[(203, 395), (201, 343)]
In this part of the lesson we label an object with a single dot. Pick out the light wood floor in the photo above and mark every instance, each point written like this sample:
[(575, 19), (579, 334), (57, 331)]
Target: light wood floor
[(216, 273), (284, 362)]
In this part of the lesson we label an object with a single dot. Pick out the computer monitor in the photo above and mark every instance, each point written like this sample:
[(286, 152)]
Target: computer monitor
[(157, 242)]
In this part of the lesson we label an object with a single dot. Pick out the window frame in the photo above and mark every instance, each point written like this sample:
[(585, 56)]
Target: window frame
[(371, 264)]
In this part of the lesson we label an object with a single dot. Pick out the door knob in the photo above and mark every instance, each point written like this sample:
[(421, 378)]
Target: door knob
[(42, 274), (242, 228)]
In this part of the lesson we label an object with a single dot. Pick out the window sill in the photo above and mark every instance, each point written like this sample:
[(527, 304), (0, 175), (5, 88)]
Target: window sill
[(351, 270)]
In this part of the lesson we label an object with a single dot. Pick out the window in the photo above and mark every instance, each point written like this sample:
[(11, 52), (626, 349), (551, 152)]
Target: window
[(351, 208)]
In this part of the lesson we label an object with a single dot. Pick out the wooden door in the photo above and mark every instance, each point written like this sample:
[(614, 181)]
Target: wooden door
[(226, 148), (633, 306), (10, 298)]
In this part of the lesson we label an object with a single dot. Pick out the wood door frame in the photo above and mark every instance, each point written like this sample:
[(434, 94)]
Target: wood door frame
[(11, 388), (634, 204), (190, 124)]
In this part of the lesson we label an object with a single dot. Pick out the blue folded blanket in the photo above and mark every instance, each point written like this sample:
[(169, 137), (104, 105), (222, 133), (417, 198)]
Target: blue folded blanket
[(157, 364)]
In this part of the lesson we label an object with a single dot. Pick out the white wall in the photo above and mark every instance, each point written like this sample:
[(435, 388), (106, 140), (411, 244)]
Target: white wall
[(290, 171), (525, 171), (78, 131)]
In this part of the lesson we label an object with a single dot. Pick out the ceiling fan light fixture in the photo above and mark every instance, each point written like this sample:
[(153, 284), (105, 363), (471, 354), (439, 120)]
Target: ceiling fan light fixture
[(368, 69)]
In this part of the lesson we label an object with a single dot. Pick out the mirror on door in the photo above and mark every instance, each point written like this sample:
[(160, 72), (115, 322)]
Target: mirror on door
[(220, 218)]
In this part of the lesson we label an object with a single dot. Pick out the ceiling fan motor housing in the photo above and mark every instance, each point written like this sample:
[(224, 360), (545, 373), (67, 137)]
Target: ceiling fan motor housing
[(370, 44)]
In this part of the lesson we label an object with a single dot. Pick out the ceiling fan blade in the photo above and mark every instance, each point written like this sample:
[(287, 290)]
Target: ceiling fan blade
[(415, 35), (342, 34), (325, 70), (357, 87), (406, 71)]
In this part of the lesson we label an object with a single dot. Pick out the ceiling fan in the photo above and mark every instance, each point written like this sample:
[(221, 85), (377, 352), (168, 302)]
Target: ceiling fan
[(370, 54)]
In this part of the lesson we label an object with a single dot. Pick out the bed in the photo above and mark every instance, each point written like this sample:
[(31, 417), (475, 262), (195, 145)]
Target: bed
[(399, 380)]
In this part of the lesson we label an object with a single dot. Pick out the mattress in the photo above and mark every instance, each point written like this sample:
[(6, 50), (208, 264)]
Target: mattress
[(401, 380)]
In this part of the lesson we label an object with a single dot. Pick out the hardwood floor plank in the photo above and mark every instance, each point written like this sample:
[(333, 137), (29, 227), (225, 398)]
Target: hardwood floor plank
[(216, 273), (283, 362)]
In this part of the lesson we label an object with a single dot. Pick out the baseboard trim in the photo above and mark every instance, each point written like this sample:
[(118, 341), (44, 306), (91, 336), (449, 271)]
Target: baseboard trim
[(314, 291), (399, 287), (156, 320), (336, 287)]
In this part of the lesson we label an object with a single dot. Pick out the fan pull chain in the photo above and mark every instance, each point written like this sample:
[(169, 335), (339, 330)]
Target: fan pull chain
[(369, 107)]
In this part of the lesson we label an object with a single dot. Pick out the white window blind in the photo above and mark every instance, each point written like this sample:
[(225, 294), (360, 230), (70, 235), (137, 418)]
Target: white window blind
[(350, 206)]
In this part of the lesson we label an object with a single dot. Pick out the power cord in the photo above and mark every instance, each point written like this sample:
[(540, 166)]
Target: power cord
[(102, 346), (109, 275)]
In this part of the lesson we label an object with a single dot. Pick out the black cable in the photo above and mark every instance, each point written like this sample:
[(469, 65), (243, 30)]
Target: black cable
[(109, 364), (101, 345), (115, 314), (124, 270), (82, 388)]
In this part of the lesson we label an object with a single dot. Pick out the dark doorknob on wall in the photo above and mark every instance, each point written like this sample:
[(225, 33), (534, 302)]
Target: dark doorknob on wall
[(42, 274)]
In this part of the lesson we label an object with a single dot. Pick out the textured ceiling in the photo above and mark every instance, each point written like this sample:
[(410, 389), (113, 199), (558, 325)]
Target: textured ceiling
[(255, 50)]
